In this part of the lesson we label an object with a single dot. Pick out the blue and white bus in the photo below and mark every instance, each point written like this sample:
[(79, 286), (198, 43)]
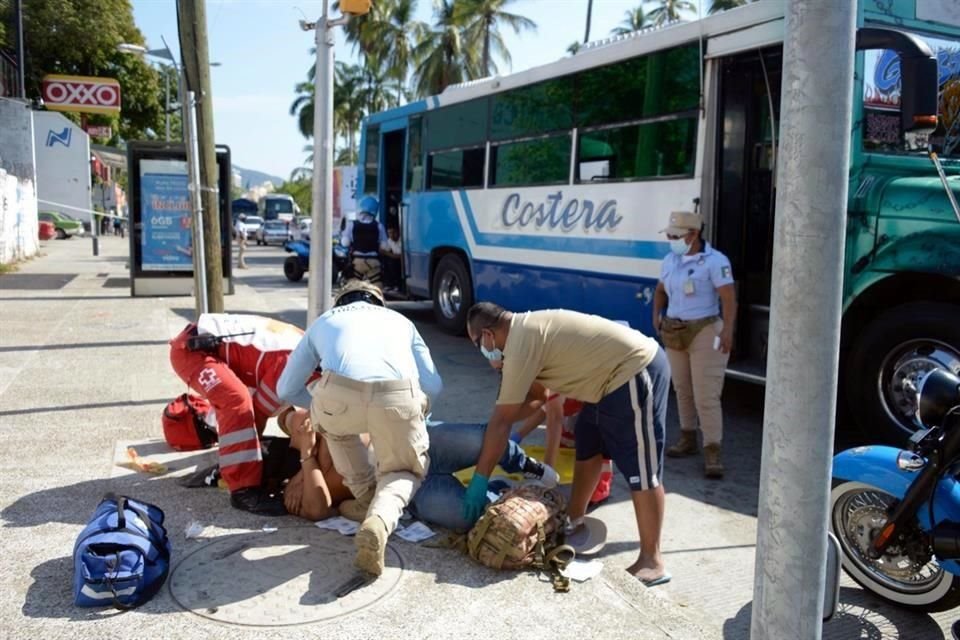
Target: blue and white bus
[(549, 187)]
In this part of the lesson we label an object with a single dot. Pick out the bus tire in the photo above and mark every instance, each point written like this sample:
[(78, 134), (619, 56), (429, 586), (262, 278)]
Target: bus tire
[(886, 363), (293, 269), (452, 294)]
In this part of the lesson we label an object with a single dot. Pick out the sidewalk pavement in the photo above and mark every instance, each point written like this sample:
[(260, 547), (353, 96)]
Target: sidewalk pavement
[(84, 370)]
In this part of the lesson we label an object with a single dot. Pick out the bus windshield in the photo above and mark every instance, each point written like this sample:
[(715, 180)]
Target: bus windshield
[(274, 208), (881, 101)]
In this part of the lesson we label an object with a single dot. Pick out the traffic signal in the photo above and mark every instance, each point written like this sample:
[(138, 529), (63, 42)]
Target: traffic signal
[(355, 7)]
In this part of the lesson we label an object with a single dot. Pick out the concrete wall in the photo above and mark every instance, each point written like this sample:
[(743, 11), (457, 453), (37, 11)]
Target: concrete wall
[(63, 165), (19, 238)]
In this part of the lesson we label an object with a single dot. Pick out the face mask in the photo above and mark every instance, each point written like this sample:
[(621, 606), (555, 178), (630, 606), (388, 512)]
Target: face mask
[(494, 354), (679, 246)]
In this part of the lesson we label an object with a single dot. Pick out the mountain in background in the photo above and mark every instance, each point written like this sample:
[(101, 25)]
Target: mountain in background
[(250, 178)]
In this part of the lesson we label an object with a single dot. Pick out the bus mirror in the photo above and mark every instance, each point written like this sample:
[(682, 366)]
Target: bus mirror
[(355, 7), (918, 93)]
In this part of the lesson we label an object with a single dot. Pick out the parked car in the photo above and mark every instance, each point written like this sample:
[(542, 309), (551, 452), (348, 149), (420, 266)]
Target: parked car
[(65, 225), (250, 225), (274, 231)]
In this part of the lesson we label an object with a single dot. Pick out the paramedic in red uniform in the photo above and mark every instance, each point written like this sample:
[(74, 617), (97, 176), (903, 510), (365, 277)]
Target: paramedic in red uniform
[(238, 374)]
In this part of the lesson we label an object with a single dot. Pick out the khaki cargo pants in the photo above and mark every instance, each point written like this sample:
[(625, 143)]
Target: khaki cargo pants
[(698, 373), (393, 413)]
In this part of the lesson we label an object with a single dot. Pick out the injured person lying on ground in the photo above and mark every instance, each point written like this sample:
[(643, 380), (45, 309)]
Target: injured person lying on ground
[(315, 489)]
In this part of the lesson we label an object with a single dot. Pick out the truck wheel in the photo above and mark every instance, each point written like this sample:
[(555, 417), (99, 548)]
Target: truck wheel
[(889, 360), (452, 294), (292, 269)]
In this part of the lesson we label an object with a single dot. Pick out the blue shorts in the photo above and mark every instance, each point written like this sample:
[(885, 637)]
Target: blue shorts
[(629, 426)]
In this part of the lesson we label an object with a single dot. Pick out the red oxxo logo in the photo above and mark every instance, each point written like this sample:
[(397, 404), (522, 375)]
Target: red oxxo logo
[(81, 93)]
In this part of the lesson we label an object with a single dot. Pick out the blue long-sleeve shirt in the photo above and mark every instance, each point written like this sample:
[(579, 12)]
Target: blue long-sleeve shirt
[(362, 342)]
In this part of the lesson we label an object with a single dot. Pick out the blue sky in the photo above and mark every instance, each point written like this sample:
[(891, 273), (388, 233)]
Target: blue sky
[(264, 54)]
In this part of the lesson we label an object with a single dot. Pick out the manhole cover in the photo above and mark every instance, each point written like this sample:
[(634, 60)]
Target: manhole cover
[(284, 578)]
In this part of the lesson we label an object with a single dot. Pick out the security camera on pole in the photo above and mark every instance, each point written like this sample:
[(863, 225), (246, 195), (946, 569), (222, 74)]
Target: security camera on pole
[(319, 294)]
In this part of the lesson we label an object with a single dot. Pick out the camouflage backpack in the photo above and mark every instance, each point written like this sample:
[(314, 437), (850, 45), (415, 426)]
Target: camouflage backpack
[(524, 529)]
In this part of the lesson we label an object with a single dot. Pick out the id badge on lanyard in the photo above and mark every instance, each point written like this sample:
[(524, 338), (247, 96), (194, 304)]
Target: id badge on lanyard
[(688, 286)]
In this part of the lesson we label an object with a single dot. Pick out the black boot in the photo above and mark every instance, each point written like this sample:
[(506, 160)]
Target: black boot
[(255, 501)]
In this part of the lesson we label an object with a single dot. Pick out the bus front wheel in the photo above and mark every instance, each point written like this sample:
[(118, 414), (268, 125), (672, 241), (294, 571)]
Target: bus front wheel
[(890, 359), (452, 294)]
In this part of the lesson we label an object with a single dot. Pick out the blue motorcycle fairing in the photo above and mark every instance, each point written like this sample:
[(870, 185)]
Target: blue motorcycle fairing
[(299, 247), (876, 466)]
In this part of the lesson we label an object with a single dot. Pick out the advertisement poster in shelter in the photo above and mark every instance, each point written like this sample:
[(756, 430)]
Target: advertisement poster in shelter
[(167, 239)]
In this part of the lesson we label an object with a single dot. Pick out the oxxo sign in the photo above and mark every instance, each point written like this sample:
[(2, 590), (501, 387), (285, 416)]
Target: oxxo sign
[(81, 93)]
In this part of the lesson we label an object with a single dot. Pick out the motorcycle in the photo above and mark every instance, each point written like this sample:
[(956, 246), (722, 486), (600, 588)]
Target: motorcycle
[(896, 512), (299, 263)]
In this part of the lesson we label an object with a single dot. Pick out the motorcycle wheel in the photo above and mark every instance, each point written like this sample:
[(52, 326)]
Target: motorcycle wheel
[(292, 269), (857, 515)]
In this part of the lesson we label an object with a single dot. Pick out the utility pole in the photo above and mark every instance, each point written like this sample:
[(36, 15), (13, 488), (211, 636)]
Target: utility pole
[(320, 289), (803, 353), (21, 60), (192, 17)]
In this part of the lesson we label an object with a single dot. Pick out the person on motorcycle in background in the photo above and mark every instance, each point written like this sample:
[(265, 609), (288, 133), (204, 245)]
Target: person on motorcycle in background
[(365, 237)]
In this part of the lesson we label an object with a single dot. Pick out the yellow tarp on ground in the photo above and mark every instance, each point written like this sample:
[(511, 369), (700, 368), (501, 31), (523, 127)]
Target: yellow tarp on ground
[(564, 466)]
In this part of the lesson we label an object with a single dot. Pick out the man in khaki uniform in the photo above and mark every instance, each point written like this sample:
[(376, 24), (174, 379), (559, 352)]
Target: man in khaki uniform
[(377, 378), (623, 378)]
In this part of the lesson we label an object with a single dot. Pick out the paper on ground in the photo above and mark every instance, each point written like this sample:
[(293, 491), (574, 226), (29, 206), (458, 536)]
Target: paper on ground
[(340, 525), (581, 570), (415, 532)]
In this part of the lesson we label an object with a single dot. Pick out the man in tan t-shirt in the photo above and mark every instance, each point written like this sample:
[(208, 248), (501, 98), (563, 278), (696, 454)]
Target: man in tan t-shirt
[(623, 378)]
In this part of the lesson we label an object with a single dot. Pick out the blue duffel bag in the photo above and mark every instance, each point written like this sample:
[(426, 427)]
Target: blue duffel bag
[(122, 556)]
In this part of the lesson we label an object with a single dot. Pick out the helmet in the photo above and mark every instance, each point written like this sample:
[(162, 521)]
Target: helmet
[(359, 291), (369, 204), (187, 423)]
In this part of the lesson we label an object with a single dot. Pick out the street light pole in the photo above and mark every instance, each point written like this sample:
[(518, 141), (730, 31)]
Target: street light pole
[(166, 78), (319, 292), (809, 231)]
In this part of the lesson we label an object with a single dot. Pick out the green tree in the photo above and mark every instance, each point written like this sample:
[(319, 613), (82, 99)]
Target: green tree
[(302, 107), (481, 20), (80, 37), (723, 5), (442, 57), (574, 48), (390, 38), (300, 190), (633, 20), (670, 10)]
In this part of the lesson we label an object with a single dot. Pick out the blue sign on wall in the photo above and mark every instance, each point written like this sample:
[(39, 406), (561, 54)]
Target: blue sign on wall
[(167, 240)]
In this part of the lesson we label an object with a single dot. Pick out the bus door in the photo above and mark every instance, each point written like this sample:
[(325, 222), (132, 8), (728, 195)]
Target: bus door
[(749, 84), (392, 190)]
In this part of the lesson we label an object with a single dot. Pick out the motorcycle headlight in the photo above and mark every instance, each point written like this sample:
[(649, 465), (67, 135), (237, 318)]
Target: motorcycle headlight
[(939, 393), (909, 461)]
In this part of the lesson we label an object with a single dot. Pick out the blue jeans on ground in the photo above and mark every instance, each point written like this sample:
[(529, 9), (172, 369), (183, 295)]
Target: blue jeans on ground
[(454, 446)]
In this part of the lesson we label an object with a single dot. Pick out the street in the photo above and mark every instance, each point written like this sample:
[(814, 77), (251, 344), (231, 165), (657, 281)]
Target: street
[(85, 374)]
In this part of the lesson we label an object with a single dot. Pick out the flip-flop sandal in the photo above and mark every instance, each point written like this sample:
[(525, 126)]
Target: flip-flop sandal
[(664, 579)]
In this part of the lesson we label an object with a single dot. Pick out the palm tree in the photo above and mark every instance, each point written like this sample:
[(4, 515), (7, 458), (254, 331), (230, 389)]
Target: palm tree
[(574, 48), (634, 20), (481, 21), (389, 39), (349, 102), (302, 108), (670, 10), (723, 5), (441, 56)]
